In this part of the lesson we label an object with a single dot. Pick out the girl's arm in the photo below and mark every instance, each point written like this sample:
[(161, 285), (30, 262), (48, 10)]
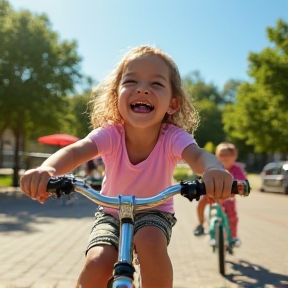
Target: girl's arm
[(68, 158), (34, 181), (217, 180), (200, 160)]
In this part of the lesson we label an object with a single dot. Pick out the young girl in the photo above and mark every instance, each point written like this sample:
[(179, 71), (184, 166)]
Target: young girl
[(140, 114), (227, 154)]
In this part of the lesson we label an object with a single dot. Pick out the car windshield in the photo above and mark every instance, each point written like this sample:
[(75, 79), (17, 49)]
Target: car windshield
[(274, 171)]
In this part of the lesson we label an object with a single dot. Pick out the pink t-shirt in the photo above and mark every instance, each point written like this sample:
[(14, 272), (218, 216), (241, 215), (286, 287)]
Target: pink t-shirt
[(147, 178), (237, 172)]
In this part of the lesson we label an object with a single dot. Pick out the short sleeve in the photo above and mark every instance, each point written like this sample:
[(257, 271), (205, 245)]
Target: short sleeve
[(102, 137), (180, 140)]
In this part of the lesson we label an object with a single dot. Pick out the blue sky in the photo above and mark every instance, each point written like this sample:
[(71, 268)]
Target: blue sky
[(212, 36)]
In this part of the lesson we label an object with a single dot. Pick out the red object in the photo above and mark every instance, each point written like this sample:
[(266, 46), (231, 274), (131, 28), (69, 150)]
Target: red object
[(58, 139)]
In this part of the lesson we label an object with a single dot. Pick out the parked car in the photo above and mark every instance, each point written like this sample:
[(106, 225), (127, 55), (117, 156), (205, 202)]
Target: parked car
[(274, 177)]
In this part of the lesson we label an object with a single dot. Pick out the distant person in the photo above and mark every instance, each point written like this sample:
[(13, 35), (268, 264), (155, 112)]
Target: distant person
[(95, 168), (227, 154)]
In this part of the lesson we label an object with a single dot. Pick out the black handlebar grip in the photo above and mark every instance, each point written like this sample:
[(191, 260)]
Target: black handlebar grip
[(59, 186), (193, 190)]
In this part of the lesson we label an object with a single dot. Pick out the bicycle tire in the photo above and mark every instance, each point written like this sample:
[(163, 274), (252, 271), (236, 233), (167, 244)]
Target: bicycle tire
[(221, 248), (137, 281)]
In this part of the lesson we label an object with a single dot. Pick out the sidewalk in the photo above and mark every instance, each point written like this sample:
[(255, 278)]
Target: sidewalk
[(11, 191), (42, 246)]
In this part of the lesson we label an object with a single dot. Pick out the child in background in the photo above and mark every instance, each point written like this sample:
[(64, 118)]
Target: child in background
[(143, 124), (227, 154)]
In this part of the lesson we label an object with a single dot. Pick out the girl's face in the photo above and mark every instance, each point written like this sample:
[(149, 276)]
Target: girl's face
[(145, 92), (226, 158)]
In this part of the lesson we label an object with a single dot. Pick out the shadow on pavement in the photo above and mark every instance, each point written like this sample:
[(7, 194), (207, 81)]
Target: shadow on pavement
[(259, 276), (18, 212)]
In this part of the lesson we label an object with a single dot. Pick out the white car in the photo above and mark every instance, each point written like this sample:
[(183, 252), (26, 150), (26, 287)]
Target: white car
[(274, 177)]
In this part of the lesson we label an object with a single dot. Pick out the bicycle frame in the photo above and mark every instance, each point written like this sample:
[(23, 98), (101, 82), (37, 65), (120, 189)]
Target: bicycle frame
[(127, 205), (124, 263), (220, 234), (217, 215)]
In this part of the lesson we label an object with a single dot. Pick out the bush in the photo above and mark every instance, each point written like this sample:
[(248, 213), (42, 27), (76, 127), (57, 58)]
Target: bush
[(183, 172), (5, 180)]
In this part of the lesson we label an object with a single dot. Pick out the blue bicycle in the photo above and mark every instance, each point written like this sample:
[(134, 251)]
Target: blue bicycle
[(123, 273)]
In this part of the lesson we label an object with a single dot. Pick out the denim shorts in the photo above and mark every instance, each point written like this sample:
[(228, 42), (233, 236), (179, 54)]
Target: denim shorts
[(105, 230)]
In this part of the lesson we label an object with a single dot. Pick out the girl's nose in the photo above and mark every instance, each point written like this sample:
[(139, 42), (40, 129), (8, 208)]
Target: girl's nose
[(142, 91)]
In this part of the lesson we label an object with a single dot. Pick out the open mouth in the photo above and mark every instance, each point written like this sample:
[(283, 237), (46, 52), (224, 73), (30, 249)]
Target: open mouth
[(142, 107)]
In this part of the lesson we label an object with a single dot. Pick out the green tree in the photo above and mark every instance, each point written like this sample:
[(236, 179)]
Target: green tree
[(259, 116), (37, 72), (210, 147), (199, 90), (208, 101), (229, 91), (80, 110), (211, 127)]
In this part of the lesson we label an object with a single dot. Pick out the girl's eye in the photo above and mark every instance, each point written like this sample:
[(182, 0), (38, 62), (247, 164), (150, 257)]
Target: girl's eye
[(158, 83), (128, 81)]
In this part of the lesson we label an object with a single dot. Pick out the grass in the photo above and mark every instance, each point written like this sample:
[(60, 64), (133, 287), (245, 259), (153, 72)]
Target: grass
[(183, 172), (5, 180)]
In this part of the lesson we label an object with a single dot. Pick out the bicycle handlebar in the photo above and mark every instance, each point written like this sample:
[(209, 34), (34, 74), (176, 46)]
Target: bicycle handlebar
[(189, 189)]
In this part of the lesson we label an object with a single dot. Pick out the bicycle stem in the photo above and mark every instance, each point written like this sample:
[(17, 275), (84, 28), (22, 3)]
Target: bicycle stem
[(126, 217)]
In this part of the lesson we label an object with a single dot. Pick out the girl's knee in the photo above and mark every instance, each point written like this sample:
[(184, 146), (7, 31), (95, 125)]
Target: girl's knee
[(151, 246), (98, 266), (150, 239)]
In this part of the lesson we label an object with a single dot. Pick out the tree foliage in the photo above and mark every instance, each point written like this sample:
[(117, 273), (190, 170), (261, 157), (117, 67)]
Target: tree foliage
[(229, 91), (199, 90), (37, 72), (259, 116), (79, 108), (207, 100)]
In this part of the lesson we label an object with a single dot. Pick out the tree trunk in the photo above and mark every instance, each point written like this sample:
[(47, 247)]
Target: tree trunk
[(1, 150), (1, 146), (16, 161)]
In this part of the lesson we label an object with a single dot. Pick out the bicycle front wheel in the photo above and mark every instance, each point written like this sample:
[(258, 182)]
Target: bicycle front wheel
[(220, 247)]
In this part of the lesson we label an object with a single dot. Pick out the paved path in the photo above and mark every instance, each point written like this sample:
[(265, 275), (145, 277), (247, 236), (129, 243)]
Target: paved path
[(42, 246)]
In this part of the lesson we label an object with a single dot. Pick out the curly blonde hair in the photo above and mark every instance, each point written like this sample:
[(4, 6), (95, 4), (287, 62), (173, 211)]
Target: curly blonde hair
[(104, 96)]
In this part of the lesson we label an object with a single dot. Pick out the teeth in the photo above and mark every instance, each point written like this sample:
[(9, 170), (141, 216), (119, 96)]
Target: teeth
[(142, 104)]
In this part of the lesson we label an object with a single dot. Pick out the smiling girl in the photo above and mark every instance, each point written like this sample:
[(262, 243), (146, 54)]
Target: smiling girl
[(143, 124)]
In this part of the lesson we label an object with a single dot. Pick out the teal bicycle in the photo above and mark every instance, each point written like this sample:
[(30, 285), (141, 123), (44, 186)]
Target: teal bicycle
[(220, 234)]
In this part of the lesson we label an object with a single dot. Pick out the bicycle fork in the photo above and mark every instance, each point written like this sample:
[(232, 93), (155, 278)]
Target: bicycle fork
[(217, 216)]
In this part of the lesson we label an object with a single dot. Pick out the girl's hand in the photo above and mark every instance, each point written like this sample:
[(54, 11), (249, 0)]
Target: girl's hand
[(218, 183), (34, 183)]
